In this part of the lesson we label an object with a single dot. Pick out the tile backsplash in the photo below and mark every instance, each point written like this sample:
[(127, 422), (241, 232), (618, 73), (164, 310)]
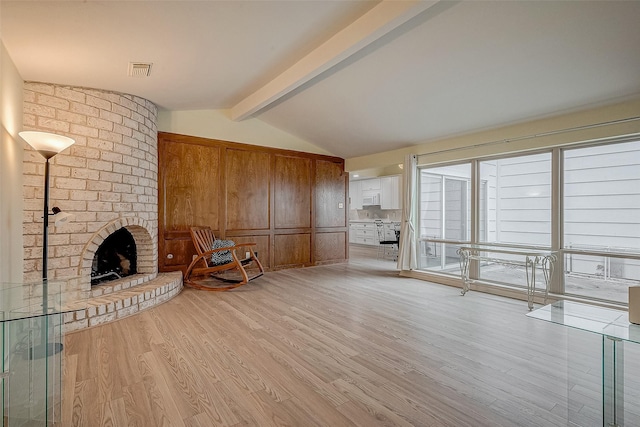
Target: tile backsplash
[(374, 212)]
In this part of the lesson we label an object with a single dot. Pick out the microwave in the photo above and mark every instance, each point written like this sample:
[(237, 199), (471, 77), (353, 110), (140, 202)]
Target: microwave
[(371, 199)]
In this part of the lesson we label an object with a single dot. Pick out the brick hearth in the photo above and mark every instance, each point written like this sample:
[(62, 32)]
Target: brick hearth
[(123, 297)]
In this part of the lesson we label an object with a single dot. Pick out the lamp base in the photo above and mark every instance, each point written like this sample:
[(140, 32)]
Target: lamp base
[(40, 351)]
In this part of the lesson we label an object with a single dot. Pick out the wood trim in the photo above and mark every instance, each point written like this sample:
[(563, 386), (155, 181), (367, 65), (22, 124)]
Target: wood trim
[(312, 193), (272, 214), (186, 139)]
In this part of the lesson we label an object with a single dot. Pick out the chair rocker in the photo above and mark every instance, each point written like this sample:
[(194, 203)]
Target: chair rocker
[(218, 257)]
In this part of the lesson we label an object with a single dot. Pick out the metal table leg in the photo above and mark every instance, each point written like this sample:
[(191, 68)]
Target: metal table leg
[(464, 270), (548, 263), (530, 267), (612, 382)]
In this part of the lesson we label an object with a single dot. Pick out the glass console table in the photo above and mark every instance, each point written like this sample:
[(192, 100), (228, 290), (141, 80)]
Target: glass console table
[(615, 329), (31, 365)]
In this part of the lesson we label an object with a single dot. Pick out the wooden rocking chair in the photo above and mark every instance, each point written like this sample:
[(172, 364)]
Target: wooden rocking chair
[(215, 257)]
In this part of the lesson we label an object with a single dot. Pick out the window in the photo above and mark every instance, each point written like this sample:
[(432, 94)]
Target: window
[(445, 216), (596, 217), (519, 200), (601, 199), (516, 209)]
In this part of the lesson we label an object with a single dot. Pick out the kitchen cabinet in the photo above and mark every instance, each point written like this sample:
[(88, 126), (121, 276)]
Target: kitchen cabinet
[(391, 189), (355, 194), (370, 192), (385, 191), (352, 232), (372, 184), (363, 233), (366, 232), (368, 189)]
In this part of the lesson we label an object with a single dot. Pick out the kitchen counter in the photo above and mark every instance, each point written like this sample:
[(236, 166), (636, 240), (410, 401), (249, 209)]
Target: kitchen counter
[(365, 232)]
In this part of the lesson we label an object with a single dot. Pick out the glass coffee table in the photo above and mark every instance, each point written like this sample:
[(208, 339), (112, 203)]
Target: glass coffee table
[(31, 351), (614, 327)]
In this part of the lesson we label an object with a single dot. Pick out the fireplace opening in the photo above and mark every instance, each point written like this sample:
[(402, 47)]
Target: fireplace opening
[(115, 258)]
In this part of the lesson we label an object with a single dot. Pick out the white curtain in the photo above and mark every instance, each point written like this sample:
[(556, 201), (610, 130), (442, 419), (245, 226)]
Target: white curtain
[(408, 256)]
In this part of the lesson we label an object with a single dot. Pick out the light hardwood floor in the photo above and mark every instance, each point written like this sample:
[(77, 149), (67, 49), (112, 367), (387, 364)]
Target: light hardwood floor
[(340, 345)]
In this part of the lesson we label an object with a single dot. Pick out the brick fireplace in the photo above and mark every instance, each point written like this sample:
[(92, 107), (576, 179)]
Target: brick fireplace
[(108, 180)]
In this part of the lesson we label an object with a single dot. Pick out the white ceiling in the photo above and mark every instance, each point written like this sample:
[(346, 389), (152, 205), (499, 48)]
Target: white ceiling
[(432, 70)]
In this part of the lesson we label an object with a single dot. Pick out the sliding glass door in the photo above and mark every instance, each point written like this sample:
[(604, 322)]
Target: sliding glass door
[(601, 241), (517, 211), (445, 216)]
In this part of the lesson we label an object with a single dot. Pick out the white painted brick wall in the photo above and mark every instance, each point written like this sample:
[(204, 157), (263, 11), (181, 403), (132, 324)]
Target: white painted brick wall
[(109, 176)]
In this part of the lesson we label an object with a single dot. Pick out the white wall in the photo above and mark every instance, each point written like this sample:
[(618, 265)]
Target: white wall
[(588, 124), (11, 148), (216, 124)]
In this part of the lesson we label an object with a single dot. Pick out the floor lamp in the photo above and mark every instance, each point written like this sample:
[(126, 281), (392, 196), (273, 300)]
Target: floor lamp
[(48, 145)]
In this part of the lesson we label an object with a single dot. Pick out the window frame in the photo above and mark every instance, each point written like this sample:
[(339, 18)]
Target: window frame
[(420, 241), (557, 153)]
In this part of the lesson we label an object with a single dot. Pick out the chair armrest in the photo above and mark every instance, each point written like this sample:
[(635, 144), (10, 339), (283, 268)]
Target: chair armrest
[(240, 245), (212, 251)]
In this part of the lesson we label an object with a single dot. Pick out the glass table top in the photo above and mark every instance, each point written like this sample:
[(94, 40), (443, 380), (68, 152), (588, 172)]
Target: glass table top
[(25, 300), (600, 320)]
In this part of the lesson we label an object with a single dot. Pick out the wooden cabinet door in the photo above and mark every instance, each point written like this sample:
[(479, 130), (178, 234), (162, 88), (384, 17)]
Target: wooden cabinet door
[(292, 192), (247, 193), (189, 180), (292, 250), (330, 246), (330, 197)]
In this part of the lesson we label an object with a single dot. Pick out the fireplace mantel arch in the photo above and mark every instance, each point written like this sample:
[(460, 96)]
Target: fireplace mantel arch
[(145, 237)]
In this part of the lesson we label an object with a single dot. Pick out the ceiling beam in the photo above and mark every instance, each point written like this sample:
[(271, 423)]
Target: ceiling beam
[(382, 19)]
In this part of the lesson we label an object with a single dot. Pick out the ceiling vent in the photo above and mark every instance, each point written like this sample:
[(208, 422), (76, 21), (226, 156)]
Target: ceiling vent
[(140, 69)]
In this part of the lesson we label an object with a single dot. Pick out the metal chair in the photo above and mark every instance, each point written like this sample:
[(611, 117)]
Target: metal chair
[(386, 248)]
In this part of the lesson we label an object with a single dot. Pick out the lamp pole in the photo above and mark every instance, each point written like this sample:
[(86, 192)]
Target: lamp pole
[(45, 240), (48, 145)]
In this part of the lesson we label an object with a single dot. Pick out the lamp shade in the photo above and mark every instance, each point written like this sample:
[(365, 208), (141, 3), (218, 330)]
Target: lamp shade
[(47, 144), (61, 218)]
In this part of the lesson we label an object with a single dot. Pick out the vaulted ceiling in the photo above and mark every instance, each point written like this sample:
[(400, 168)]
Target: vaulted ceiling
[(352, 77)]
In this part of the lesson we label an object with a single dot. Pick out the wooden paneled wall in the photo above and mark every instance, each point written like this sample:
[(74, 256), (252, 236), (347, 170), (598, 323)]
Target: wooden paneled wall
[(292, 204)]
